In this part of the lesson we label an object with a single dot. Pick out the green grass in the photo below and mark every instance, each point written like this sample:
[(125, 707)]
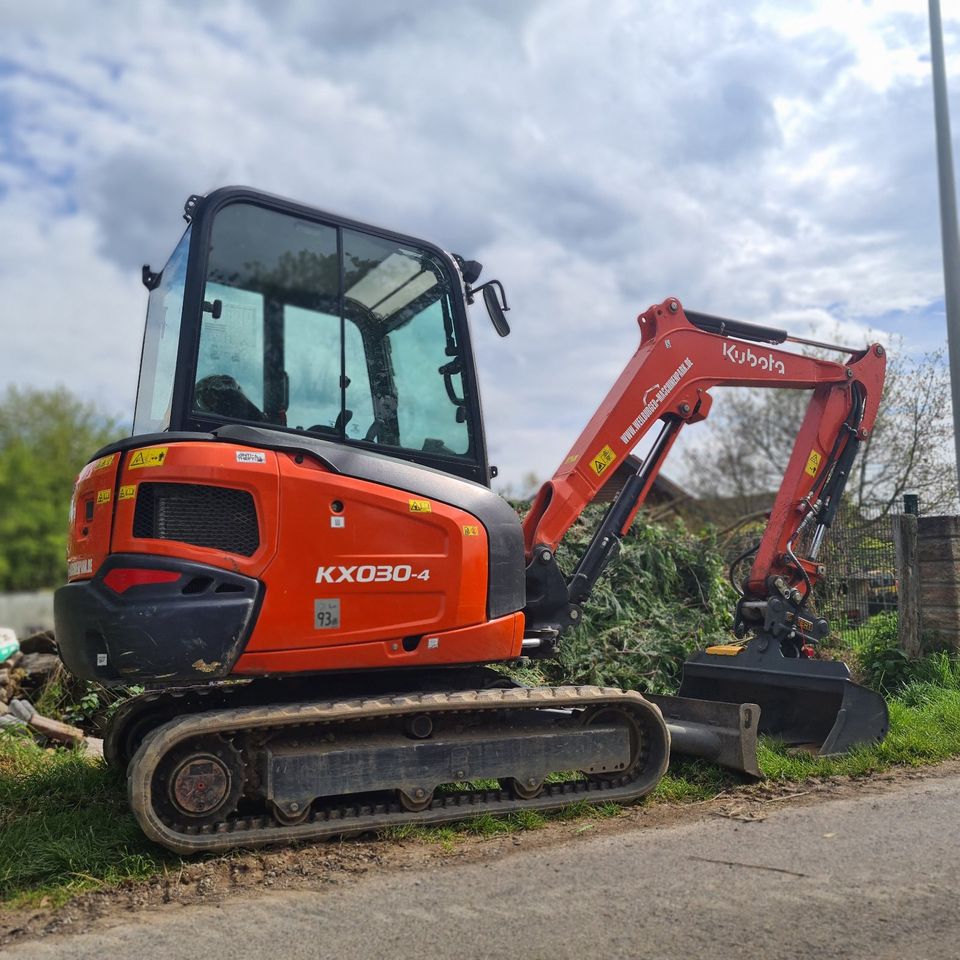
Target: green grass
[(693, 780), (65, 827)]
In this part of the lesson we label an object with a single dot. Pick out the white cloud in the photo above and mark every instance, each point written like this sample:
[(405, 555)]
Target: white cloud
[(767, 161), (70, 316)]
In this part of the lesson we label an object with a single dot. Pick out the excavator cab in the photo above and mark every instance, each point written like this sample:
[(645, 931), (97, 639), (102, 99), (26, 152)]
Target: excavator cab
[(276, 315)]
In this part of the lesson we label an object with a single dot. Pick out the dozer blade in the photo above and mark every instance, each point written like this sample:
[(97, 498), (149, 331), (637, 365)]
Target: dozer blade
[(802, 701), (724, 733)]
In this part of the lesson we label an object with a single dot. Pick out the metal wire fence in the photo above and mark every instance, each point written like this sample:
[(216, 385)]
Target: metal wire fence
[(860, 560), (861, 578)]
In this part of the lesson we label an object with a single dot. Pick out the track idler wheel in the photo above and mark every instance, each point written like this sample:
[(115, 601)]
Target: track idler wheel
[(135, 732), (200, 782)]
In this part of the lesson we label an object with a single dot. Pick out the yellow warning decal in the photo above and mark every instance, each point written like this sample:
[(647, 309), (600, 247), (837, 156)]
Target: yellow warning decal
[(573, 458), (105, 462), (103, 496), (469, 531), (600, 461), (813, 463), (127, 492), (419, 506), (726, 649), (148, 457)]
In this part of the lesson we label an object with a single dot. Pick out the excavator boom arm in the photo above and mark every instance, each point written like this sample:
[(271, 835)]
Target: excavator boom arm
[(667, 382)]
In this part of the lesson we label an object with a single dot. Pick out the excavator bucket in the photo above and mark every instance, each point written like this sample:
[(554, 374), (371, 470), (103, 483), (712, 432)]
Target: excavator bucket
[(802, 701)]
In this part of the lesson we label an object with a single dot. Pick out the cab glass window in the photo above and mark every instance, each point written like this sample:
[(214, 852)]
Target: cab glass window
[(332, 331), (261, 264), (412, 356), (230, 359), (161, 339), (314, 371)]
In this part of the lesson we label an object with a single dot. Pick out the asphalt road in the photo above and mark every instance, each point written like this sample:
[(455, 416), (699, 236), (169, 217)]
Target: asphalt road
[(876, 877)]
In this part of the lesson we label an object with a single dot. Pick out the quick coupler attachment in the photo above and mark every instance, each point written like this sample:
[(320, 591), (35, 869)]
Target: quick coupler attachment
[(802, 701)]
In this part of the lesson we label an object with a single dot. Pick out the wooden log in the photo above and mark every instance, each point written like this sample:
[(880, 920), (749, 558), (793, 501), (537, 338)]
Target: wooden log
[(43, 642), (25, 713), (908, 589), (56, 730), (39, 664)]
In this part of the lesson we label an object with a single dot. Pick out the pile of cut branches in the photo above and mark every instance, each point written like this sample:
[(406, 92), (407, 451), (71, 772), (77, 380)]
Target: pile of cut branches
[(665, 597)]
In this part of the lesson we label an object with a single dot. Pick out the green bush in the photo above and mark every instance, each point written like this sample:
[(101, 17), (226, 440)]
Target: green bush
[(883, 665), (83, 703), (877, 655), (939, 671)]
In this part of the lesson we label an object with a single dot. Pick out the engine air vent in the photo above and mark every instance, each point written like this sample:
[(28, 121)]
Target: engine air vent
[(204, 516)]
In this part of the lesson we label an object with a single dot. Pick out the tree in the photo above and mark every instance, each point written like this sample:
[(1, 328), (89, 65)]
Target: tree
[(910, 451), (525, 490), (46, 437)]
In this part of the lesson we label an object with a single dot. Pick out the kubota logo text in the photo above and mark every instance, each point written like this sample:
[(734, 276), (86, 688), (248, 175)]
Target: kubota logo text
[(737, 354)]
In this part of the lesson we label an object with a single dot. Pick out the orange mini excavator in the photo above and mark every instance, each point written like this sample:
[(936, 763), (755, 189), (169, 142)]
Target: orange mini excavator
[(298, 554)]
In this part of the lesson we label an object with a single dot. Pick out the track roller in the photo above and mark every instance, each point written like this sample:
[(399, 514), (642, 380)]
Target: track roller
[(528, 789), (415, 800)]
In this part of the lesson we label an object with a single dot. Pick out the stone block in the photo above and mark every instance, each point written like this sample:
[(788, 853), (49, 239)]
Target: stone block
[(937, 549)]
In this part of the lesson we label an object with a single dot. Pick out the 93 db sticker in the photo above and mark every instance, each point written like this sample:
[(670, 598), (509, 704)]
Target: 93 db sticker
[(326, 614), (368, 573)]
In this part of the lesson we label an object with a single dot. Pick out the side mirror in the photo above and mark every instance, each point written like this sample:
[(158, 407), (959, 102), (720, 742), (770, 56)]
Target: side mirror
[(494, 309)]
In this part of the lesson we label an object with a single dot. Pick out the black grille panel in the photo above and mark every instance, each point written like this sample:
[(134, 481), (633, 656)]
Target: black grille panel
[(203, 516)]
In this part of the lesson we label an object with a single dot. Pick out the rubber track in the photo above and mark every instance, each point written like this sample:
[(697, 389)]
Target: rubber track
[(176, 701), (359, 817), (171, 702)]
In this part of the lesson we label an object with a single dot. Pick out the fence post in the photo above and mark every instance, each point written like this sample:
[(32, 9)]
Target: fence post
[(908, 583)]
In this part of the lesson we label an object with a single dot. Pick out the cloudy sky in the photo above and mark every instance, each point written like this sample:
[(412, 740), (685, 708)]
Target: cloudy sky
[(773, 162)]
